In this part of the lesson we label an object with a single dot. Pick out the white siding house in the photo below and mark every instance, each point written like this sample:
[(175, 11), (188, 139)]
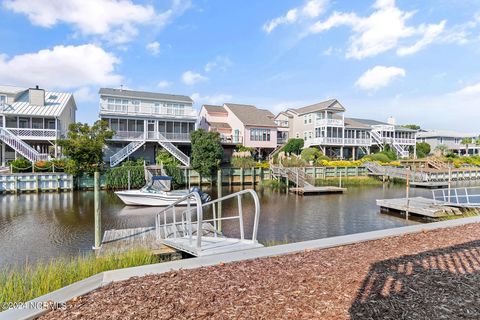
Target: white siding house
[(145, 122), (32, 120)]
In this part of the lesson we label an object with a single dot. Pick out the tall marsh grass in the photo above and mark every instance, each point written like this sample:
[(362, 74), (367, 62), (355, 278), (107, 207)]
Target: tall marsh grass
[(349, 181), (23, 283)]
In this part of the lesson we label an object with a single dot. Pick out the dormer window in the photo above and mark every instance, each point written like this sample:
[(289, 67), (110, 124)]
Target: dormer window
[(52, 97)]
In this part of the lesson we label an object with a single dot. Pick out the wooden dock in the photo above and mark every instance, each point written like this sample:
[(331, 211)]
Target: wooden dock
[(429, 184), (311, 190), (423, 207), (123, 240)]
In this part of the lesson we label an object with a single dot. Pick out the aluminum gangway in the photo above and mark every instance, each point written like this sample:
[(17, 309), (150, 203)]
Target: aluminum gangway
[(185, 228), (460, 197)]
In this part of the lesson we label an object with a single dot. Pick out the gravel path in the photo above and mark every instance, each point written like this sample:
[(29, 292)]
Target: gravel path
[(429, 275)]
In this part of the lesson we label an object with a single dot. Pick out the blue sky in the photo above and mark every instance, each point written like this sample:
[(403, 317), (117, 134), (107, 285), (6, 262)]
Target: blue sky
[(415, 60)]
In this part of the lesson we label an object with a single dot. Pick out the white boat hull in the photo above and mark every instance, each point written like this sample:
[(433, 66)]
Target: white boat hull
[(161, 199)]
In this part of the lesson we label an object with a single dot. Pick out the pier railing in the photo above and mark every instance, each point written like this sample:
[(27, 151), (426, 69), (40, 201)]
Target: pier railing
[(190, 226), (465, 197)]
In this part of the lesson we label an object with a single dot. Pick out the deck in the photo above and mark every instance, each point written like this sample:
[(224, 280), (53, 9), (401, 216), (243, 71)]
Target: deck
[(311, 190), (423, 207)]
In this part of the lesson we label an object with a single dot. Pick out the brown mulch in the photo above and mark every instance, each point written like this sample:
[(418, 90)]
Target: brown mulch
[(429, 275)]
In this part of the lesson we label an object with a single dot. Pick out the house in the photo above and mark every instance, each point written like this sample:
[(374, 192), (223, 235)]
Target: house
[(145, 122), (325, 126), (32, 121), (450, 139), (241, 124)]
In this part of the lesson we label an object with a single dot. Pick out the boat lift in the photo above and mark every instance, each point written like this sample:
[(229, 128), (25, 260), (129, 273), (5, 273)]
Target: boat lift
[(185, 229)]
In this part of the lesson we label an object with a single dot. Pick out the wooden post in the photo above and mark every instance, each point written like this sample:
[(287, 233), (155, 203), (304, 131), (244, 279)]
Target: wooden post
[(407, 192), (253, 176), (219, 195), (230, 178), (242, 176), (340, 181), (98, 217)]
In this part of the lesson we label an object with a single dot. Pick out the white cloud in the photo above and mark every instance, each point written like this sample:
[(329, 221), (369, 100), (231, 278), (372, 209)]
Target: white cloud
[(164, 84), (190, 78), (61, 67), (430, 34), (85, 94), (115, 20), (153, 48), (311, 9), (216, 99), (472, 90), (221, 63), (381, 31), (378, 77)]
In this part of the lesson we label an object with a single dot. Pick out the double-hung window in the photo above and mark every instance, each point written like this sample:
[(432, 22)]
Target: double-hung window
[(258, 134)]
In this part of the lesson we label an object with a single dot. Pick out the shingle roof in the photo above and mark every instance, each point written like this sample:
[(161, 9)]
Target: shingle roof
[(251, 115), (220, 125), (212, 108), (319, 106), (353, 123), (144, 95), (371, 122), (55, 102)]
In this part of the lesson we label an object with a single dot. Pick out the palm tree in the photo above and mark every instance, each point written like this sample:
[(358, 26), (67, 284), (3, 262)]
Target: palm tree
[(466, 142), (442, 148)]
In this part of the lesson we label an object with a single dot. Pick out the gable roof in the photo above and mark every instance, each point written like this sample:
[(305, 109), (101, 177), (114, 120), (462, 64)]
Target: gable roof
[(353, 123), (212, 108), (331, 104), (445, 134), (11, 89), (144, 95), (251, 115), (55, 103)]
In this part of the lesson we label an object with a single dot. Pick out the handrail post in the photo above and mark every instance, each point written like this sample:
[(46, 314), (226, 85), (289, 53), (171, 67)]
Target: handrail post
[(189, 221), (240, 217), (257, 215), (199, 222)]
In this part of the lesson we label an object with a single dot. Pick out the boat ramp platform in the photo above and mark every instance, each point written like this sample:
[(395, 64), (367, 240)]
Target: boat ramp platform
[(182, 229)]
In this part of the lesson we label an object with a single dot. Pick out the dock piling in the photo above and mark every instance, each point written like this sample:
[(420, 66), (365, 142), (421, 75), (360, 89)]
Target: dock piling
[(98, 218)]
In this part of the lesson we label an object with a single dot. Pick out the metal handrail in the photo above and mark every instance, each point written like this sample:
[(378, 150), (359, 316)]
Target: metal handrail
[(193, 198), (449, 194)]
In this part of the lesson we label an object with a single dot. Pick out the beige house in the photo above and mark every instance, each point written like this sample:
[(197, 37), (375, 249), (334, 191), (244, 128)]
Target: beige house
[(32, 120), (325, 126)]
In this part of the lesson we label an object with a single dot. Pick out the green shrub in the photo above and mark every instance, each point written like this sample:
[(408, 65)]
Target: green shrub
[(242, 148), (310, 154), (380, 157), (21, 165), (294, 146), (243, 162), (117, 178)]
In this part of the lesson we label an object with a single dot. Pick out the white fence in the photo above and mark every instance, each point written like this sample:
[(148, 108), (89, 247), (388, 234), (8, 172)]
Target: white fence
[(33, 182)]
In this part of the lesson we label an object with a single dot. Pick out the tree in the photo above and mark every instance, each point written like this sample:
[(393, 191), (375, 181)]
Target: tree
[(423, 149), (84, 146), (310, 154), (466, 142), (207, 151), (442, 148), (294, 146), (412, 126)]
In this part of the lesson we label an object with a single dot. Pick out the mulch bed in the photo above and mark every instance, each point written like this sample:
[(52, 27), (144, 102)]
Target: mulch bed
[(429, 275)]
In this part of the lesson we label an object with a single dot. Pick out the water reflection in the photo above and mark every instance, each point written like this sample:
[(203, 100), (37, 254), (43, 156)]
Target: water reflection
[(36, 226)]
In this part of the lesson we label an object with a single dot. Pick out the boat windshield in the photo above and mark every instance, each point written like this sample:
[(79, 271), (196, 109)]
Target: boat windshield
[(158, 184)]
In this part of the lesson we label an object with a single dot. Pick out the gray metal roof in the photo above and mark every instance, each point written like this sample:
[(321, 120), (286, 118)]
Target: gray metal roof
[(328, 104), (11, 89), (144, 95), (445, 134), (55, 102), (212, 108), (353, 123), (220, 125), (251, 115)]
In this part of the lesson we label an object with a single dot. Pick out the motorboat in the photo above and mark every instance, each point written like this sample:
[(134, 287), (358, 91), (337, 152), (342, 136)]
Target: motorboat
[(158, 193)]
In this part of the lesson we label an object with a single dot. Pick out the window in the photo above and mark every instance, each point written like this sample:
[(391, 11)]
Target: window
[(297, 135), (257, 134), (157, 108), (136, 105), (310, 118), (305, 119), (3, 99), (50, 124), (310, 134), (116, 104)]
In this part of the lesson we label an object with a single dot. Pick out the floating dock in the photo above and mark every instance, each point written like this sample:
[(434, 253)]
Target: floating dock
[(311, 190), (123, 240), (424, 207), (429, 184)]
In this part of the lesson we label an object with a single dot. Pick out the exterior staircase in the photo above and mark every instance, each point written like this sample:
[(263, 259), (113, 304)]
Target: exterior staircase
[(125, 152), (394, 172), (400, 151), (379, 140), (295, 175), (174, 151), (21, 146)]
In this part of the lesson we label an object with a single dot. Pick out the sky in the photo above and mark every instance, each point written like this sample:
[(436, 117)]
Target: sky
[(417, 61)]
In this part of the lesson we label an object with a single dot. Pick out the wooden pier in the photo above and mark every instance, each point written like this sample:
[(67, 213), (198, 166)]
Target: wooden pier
[(123, 240), (311, 190), (424, 207)]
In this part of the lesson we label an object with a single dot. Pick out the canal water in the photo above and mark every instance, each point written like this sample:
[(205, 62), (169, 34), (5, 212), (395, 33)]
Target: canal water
[(42, 226)]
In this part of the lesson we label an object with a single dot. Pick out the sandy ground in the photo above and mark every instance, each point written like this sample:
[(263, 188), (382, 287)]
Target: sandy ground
[(430, 275)]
